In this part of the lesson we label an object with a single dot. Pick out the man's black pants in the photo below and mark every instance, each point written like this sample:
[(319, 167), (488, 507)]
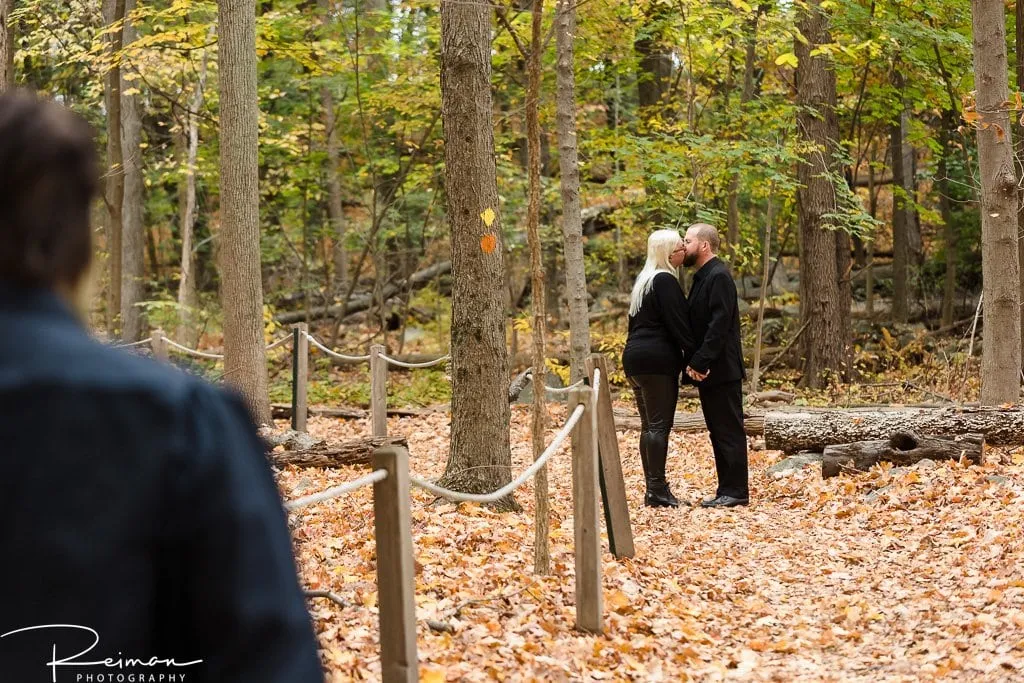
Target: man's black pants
[(722, 405)]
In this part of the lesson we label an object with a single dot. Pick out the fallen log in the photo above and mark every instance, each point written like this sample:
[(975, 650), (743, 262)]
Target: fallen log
[(902, 449), (792, 431), (281, 411), (360, 303), (343, 454), (753, 423)]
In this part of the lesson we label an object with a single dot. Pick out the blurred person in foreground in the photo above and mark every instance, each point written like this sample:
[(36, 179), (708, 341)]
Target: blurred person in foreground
[(142, 532)]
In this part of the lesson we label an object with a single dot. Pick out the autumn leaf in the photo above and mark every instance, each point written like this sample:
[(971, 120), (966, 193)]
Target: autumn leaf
[(787, 59)]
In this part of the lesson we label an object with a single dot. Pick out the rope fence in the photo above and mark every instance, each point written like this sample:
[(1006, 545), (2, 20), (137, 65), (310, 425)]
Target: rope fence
[(335, 491)]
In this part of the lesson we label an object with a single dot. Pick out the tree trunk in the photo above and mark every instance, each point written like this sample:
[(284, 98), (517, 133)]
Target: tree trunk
[(480, 457), (813, 431), (241, 289), (187, 296), (133, 240), (949, 237), (539, 412), (1019, 54), (655, 61), (900, 217), (113, 12), (7, 41), (901, 449), (1001, 354), (749, 64), (824, 301), (335, 212), (569, 178)]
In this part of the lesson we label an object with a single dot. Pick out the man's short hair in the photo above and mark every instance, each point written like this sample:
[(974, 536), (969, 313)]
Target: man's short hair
[(708, 233), (48, 179)]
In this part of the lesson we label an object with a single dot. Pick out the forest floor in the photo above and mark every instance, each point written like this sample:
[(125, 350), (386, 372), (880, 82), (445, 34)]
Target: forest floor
[(876, 577)]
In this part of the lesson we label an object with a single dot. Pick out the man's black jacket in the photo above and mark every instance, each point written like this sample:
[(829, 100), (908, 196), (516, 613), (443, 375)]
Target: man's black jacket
[(715, 323), (136, 508)]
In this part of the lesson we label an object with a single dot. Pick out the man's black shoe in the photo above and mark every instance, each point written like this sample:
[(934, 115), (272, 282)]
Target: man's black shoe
[(724, 502)]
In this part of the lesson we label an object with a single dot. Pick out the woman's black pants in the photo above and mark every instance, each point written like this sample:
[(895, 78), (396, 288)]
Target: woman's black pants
[(656, 397)]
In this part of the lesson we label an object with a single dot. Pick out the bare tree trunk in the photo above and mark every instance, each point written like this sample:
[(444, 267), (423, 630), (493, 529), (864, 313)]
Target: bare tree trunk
[(7, 41), (749, 64), (187, 296), (655, 60), (541, 550), (133, 241), (824, 308), (904, 217), (113, 12), (1001, 354), (480, 458), (569, 177), (241, 289), (948, 230), (335, 211), (1019, 50)]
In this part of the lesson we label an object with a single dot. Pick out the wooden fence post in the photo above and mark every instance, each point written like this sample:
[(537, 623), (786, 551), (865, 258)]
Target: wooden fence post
[(378, 391), (589, 610), (396, 580), (159, 345), (300, 376), (613, 487)]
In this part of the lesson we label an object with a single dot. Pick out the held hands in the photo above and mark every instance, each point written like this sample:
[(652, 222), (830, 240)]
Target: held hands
[(696, 376)]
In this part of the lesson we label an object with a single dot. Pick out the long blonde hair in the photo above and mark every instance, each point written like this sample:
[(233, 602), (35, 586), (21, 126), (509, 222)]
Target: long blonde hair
[(660, 246)]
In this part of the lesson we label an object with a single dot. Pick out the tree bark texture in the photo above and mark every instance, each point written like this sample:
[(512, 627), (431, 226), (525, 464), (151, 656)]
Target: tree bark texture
[(824, 298), (901, 449), (1001, 353), (949, 237), (7, 45), (241, 290), (900, 216), (113, 12), (749, 64), (133, 240), (655, 59), (539, 410), (569, 178), (480, 457), (1019, 55)]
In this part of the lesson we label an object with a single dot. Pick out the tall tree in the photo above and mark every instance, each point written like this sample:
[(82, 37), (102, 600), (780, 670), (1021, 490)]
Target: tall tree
[(746, 94), (187, 295), (6, 45), (113, 17), (335, 211), (569, 177), (906, 233), (241, 288), (133, 237), (1019, 54), (1001, 354), (542, 553), (655, 58), (480, 457), (825, 255)]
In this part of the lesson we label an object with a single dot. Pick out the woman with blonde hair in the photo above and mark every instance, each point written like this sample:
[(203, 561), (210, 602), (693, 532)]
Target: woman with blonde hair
[(659, 337)]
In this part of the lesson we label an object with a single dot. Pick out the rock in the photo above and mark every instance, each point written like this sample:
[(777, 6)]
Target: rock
[(926, 464), (787, 466), (550, 379), (876, 494), (302, 486)]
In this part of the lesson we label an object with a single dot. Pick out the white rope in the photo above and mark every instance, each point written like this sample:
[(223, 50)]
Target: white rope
[(279, 342), (564, 390), (129, 345), (335, 354), (427, 364), (512, 486), (334, 492), (193, 352)]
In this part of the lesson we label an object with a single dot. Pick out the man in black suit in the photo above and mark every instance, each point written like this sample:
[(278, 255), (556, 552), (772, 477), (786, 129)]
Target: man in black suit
[(716, 367)]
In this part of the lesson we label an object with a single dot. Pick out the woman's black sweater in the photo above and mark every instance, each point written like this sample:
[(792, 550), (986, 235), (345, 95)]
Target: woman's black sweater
[(659, 334)]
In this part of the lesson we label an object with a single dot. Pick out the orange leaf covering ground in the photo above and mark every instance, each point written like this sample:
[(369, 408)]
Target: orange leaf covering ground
[(918, 576)]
